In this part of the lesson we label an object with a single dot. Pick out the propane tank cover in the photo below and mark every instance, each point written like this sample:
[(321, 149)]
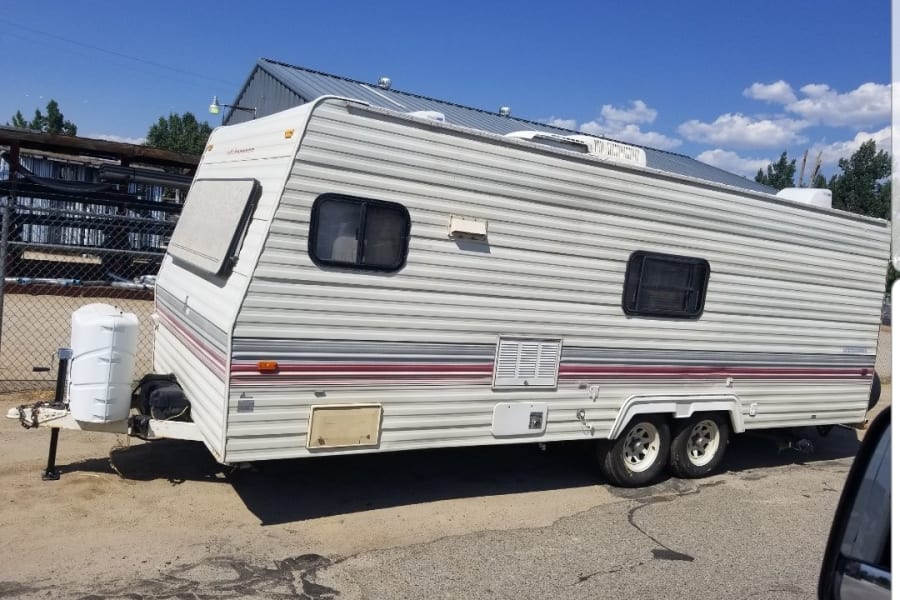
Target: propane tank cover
[(104, 344)]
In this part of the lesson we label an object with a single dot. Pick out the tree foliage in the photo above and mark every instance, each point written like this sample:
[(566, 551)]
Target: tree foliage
[(19, 121), (53, 122), (819, 182), (179, 133), (862, 186), (778, 175)]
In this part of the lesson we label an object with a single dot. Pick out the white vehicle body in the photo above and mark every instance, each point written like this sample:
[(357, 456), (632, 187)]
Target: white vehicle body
[(516, 245)]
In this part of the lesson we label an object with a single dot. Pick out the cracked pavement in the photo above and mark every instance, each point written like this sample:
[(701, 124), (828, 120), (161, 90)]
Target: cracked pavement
[(162, 520)]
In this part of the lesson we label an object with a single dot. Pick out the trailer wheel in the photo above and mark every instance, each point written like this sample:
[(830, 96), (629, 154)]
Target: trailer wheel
[(875, 392), (699, 444), (638, 456)]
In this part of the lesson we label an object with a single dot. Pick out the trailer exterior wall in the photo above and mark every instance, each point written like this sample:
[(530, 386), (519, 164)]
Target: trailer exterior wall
[(197, 311), (789, 328)]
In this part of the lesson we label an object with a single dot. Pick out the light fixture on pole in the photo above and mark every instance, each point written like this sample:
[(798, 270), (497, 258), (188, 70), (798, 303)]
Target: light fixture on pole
[(215, 108)]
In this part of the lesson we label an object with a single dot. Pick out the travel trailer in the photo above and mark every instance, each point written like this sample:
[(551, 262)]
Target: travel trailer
[(346, 278)]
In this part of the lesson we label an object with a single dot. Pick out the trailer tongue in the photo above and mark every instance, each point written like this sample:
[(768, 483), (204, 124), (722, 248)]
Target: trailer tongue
[(94, 387)]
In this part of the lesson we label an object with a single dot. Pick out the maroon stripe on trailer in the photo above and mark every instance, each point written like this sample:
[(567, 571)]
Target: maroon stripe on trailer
[(370, 368), (579, 370), (214, 360)]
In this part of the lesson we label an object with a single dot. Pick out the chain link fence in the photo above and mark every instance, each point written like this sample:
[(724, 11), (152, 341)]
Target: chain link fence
[(66, 245)]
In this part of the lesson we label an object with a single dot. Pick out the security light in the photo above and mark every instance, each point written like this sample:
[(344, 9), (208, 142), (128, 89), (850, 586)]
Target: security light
[(215, 108)]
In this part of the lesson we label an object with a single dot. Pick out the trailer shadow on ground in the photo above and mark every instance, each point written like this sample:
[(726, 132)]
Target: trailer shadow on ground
[(296, 490)]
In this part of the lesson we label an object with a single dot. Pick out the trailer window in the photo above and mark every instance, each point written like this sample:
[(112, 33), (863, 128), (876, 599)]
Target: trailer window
[(346, 231), (665, 285)]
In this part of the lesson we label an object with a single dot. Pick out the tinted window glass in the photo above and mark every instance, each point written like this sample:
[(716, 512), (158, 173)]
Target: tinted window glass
[(337, 233), (386, 235), (359, 232), (665, 285)]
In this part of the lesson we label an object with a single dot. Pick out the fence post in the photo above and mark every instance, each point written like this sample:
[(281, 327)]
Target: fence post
[(5, 204)]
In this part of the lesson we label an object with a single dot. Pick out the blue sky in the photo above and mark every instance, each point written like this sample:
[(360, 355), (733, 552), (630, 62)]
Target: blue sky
[(733, 84)]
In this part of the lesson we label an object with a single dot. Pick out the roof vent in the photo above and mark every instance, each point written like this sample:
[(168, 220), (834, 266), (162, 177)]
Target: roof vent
[(432, 115), (612, 151), (815, 196), (550, 139), (586, 144), (504, 111), (384, 83)]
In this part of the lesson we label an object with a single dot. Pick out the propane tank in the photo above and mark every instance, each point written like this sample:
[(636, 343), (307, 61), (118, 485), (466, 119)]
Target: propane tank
[(104, 343)]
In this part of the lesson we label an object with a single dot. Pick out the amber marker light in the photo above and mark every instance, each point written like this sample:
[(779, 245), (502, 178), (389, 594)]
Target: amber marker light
[(267, 366)]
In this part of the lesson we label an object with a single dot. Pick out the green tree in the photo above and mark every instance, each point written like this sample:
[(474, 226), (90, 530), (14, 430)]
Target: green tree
[(180, 133), (778, 175), (54, 122), (862, 186), (18, 120), (819, 181)]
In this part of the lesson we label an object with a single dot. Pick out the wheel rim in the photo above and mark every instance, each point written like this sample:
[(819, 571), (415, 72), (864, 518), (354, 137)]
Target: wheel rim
[(641, 447), (703, 442)]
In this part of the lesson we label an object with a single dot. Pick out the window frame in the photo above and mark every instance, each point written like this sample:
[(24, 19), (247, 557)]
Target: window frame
[(313, 237), (629, 297)]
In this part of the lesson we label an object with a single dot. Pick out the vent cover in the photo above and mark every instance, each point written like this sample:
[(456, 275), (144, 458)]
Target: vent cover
[(526, 362)]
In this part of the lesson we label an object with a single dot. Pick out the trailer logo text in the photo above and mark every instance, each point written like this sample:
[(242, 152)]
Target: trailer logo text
[(241, 150)]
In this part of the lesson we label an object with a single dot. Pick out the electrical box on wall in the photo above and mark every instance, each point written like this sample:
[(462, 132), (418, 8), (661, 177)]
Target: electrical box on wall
[(519, 418)]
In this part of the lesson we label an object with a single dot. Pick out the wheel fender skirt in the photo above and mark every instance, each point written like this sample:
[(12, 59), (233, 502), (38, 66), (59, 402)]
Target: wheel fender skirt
[(678, 406)]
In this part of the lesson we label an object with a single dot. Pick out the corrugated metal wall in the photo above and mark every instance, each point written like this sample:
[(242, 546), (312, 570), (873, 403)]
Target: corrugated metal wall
[(265, 93)]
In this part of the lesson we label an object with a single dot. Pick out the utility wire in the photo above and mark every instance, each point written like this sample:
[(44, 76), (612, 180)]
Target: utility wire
[(119, 54)]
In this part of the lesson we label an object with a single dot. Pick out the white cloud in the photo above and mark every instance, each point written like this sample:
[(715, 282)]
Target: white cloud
[(780, 92), (815, 90), (833, 152), (869, 104), (731, 161), (117, 138), (735, 129), (630, 133), (638, 113), (623, 124), (563, 123)]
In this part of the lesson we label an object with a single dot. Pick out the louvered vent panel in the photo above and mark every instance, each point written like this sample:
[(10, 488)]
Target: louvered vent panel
[(527, 362)]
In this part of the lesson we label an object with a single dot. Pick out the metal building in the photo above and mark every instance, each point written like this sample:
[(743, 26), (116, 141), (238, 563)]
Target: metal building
[(274, 86)]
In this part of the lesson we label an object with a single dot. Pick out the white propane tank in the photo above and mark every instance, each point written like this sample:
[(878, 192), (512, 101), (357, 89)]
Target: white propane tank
[(104, 341)]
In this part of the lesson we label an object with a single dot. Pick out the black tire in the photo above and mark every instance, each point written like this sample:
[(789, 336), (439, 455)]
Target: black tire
[(625, 462), (875, 392), (693, 436)]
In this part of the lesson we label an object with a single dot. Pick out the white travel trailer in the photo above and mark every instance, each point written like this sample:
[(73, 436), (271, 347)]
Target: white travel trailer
[(346, 278)]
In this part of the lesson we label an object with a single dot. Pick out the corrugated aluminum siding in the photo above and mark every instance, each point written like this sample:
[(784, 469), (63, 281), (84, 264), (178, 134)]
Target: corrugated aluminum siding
[(785, 279)]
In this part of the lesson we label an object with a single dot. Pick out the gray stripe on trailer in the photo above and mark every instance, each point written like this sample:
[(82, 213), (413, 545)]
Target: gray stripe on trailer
[(196, 322), (342, 351)]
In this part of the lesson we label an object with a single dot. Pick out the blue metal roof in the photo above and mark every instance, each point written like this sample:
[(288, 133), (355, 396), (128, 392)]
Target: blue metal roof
[(308, 84)]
